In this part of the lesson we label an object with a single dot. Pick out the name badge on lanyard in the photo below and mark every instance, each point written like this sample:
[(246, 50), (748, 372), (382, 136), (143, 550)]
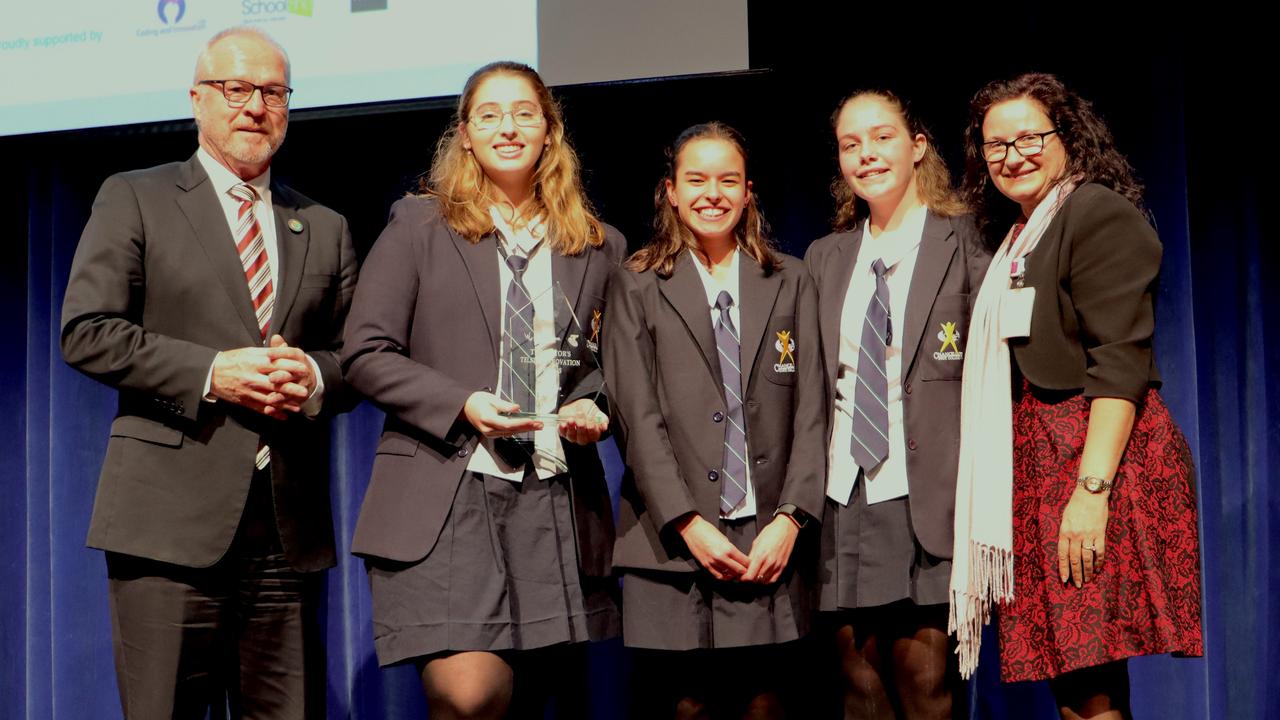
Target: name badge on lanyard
[(1017, 302)]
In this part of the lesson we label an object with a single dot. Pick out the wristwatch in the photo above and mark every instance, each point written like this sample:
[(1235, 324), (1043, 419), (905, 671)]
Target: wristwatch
[(1095, 484), (800, 517)]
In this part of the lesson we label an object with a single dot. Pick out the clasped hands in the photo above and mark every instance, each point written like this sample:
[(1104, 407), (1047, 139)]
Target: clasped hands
[(274, 380), (770, 551)]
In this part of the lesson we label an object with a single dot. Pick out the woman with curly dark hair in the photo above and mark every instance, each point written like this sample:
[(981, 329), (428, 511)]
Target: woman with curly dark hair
[(1075, 501)]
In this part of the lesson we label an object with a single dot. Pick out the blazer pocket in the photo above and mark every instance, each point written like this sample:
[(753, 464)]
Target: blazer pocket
[(146, 430), (781, 348), (322, 281), (945, 338), (397, 445)]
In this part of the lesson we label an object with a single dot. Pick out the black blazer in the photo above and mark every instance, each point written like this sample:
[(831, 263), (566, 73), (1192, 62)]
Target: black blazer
[(423, 335), (1094, 271), (949, 269), (663, 370), (156, 290)]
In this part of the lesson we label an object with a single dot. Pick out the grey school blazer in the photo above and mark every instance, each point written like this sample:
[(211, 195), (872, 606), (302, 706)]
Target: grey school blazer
[(423, 334), (668, 409), (949, 270)]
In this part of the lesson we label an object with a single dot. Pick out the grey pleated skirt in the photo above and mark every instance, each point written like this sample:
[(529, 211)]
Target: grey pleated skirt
[(503, 576), (692, 610), (869, 555)]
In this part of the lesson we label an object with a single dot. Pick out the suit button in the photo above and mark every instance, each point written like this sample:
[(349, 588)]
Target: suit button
[(911, 444), (762, 460), (713, 476), (464, 452), (717, 416), (907, 388)]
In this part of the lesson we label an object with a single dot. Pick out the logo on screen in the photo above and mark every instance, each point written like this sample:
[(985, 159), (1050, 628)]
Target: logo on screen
[(171, 6)]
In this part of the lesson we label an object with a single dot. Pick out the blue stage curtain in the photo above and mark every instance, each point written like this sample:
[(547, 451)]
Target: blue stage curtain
[(1217, 347)]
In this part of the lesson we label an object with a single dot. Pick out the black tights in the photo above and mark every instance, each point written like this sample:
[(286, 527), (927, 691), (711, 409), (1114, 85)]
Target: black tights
[(516, 685), (1100, 692), (896, 661), (750, 683)]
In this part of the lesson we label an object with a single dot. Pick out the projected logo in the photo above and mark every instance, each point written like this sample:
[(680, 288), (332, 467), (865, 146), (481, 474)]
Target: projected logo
[(174, 8), (269, 10)]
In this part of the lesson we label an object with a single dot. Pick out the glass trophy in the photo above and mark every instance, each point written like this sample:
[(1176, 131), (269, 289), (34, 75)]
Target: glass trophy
[(573, 360)]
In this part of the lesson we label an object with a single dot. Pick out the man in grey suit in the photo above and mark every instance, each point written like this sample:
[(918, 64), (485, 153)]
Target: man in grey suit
[(213, 300)]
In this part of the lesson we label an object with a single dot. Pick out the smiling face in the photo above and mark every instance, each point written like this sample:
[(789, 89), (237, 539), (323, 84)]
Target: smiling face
[(508, 154), (710, 190), (1024, 180), (878, 154), (242, 139)]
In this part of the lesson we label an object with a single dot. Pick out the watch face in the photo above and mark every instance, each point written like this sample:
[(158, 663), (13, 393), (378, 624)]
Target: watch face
[(1093, 484)]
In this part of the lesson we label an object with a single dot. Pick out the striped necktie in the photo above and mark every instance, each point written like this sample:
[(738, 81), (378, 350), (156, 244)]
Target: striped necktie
[(519, 376), (257, 274), (870, 444), (733, 488), (253, 257)]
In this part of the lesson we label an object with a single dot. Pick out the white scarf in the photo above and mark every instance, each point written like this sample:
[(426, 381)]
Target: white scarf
[(982, 561)]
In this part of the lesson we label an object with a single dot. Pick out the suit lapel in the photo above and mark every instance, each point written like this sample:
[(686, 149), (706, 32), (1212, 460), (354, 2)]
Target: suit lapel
[(481, 260), (759, 293), (209, 225), (937, 247), (686, 294), (837, 273), (291, 251)]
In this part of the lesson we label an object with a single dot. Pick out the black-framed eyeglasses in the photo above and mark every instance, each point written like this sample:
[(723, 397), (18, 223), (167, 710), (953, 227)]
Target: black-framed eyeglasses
[(489, 116), (1026, 145), (238, 92)]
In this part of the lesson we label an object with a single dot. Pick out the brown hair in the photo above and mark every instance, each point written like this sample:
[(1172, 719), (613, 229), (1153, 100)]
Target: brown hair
[(933, 181), (672, 237), (1091, 151), (465, 193)]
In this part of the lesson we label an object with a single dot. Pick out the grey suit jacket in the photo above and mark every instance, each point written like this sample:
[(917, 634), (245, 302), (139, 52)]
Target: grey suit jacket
[(663, 370), (949, 270), (156, 290), (422, 336)]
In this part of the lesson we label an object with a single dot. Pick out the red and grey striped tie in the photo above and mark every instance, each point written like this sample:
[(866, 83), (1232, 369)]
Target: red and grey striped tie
[(257, 273)]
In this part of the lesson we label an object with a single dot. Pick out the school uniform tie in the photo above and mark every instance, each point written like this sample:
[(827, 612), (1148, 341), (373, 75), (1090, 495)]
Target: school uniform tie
[(519, 371), (733, 487), (870, 444), (257, 274)]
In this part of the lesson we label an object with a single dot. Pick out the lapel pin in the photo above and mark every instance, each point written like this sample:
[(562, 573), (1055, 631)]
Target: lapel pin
[(295, 225)]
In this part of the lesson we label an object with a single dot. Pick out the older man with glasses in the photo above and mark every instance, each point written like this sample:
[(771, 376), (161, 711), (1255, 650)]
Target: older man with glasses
[(213, 300)]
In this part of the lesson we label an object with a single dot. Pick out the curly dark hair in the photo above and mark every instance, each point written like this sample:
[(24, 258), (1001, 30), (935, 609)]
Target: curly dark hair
[(1091, 151)]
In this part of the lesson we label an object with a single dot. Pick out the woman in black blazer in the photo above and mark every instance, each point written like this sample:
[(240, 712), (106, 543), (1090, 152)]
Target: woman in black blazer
[(1077, 487), (711, 353), (894, 405), (487, 556)]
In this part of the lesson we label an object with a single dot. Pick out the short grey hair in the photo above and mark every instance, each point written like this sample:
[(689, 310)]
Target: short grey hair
[(202, 61)]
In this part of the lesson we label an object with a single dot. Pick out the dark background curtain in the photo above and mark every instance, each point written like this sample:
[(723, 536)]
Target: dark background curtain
[(1184, 102)]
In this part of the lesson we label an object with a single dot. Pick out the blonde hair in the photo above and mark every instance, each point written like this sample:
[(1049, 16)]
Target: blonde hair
[(933, 181), (672, 237), (465, 193)]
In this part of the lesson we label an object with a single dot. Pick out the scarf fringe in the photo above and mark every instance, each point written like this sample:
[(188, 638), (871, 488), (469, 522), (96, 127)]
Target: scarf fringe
[(990, 581)]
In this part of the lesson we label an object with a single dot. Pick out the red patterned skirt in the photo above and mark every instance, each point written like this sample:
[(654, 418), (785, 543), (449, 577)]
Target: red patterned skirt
[(1146, 598)]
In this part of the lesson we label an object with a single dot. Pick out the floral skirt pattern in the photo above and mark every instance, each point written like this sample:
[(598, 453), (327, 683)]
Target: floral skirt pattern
[(1146, 598)]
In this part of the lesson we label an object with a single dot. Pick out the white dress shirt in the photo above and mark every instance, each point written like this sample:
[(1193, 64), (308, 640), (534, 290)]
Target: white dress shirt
[(712, 286), (898, 249), (548, 453), (223, 180)]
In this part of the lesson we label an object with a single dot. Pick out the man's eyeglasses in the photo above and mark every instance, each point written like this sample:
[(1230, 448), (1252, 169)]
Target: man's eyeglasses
[(238, 92)]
